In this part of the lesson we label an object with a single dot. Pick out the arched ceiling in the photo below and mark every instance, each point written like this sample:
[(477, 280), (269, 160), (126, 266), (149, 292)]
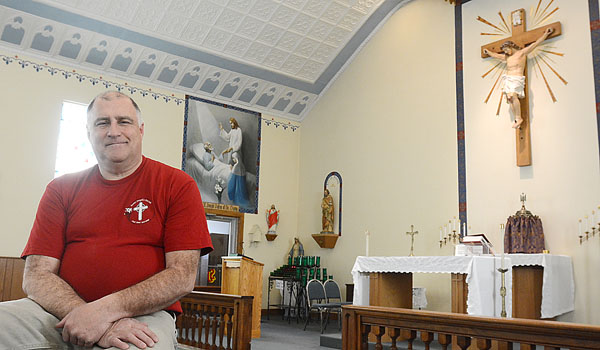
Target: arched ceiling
[(272, 56)]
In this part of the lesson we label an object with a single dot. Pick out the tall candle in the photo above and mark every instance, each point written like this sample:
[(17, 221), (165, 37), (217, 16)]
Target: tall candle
[(454, 224), (367, 234), (441, 237), (580, 233), (464, 228), (586, 223), (502, 245), (593, 220)]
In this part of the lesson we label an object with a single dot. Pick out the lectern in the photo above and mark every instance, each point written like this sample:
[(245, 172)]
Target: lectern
[(243, 276)]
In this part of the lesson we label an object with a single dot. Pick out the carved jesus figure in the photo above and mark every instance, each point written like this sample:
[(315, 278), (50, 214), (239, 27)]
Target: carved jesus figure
[(513, 82)]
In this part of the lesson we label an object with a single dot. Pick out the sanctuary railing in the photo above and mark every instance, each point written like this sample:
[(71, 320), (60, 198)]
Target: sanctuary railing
[(392, 326), (215, 321)]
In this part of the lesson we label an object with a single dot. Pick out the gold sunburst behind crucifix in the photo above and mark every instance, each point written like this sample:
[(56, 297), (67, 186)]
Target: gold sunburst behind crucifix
[(538, 54)]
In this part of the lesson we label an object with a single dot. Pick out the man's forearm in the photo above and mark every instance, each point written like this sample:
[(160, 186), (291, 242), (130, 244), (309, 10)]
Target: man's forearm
[(48, 289), (157, 292)]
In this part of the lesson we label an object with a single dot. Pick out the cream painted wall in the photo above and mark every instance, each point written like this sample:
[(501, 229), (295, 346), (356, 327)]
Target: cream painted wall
[(278, 184), (562, 183), (388, 126)]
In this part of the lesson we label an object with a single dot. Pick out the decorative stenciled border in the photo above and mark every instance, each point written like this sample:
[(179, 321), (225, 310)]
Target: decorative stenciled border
[(277, 124), (38, 67)]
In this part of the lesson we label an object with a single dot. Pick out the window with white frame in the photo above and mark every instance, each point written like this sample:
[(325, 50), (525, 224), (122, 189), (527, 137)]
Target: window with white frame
[(74, 151)]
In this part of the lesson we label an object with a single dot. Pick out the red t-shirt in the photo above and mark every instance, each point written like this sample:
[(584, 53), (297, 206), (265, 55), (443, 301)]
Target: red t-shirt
[(110, 235)]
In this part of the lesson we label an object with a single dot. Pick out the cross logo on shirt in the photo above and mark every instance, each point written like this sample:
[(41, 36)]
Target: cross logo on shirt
[(140, 209), (143, 211)]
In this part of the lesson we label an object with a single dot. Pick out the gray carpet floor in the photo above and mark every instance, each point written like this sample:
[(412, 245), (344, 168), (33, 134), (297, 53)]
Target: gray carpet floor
[(278, 334)]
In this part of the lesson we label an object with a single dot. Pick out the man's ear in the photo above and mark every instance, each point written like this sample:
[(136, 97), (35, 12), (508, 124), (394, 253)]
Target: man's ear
[(142, 129)]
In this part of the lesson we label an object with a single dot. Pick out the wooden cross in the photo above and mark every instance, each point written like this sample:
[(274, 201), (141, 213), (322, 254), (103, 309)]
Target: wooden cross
[(412, 234), (522, 37)]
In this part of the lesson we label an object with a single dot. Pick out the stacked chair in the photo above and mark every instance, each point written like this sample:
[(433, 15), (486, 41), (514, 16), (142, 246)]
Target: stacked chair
[(324, 299)]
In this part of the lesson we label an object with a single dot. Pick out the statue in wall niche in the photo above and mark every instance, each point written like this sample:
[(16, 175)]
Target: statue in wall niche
[(327, 210), (272, 219)]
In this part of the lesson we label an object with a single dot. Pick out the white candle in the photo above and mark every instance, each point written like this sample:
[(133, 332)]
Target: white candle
[(445, 230), (586, 223), (464, 228), (441, 237), (367, 234), (454, 224), (593, 221), (502, 245), (580, 233)]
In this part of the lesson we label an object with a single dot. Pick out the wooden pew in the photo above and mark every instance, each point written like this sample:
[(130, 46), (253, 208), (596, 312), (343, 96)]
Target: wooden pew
[(209, 318), (449, 329), (11, 278)]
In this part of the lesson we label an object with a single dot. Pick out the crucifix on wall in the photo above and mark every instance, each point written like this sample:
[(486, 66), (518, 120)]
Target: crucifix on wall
[(514, 50)]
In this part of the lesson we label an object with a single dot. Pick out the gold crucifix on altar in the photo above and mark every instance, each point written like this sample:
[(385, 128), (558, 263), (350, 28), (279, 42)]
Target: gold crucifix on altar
[(412, 234), (514, 50)]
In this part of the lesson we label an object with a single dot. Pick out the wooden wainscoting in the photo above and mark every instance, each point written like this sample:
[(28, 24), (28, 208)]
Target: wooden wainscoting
[(11, 278)]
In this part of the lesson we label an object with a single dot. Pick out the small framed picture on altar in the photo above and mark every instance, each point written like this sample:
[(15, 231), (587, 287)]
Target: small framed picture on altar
[(221, 152)]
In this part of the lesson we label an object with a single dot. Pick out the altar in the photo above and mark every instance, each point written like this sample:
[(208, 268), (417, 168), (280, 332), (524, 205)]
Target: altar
[(480, 274)]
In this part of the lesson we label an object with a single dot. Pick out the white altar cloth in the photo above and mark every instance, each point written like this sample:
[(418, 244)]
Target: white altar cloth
[(558, 291), (484, 283), (558, 287)]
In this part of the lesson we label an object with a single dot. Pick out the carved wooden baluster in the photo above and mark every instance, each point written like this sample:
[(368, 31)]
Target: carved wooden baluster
[(222, 327), (408, 335), (206, 328), (229, 327), (364, 336), (427, 338), (216, 318), (527, 346), (503, 345), (379, 331), (193, 325), (484, 344), (394, 333), (463, 342), (181, 322), (444, 340)]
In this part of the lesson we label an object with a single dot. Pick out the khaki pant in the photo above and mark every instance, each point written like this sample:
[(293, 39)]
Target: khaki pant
[(24, 325)]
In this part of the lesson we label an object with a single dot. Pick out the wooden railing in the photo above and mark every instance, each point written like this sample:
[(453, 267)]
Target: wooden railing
[(215, 321), (361, 323)]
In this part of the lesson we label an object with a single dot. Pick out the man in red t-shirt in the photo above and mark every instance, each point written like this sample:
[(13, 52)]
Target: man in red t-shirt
[(112, 248)]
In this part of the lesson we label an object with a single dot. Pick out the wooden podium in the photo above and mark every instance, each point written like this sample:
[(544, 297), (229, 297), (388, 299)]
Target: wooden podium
[(243, 276)]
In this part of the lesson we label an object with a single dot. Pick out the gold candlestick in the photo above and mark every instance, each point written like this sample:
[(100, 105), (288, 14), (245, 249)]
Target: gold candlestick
[(503, 291), (454, 236), (412, 234)]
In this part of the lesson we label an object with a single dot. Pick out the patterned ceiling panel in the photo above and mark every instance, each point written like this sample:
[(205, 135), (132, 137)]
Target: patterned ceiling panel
[(273, 56)]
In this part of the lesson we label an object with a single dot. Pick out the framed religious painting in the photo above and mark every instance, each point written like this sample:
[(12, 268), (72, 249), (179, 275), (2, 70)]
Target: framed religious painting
[(221, 152)]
